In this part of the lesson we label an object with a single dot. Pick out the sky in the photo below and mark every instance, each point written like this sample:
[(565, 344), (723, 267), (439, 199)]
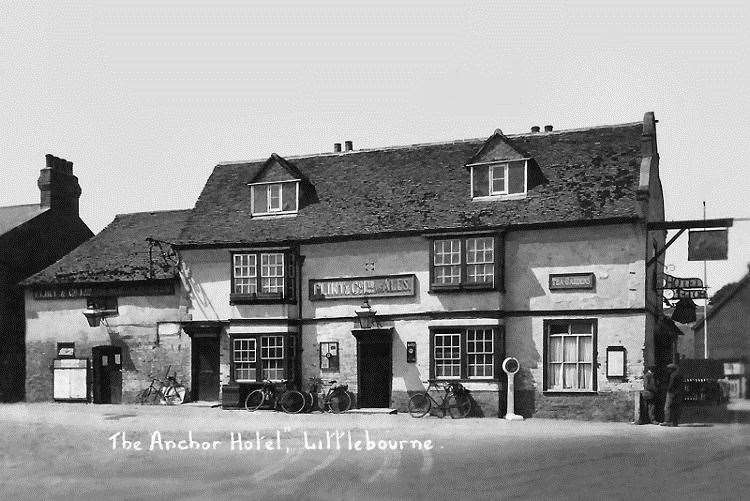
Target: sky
[(145, 97)]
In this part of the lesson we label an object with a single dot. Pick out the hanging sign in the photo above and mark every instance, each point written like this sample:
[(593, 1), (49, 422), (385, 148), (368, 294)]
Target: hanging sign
[(671, 282), (708, 245), (689, 294)]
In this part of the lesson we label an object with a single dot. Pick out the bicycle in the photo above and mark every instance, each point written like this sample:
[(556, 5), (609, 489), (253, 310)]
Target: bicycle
[(455, 402), (335, 401), (290, 401), (170, 392)]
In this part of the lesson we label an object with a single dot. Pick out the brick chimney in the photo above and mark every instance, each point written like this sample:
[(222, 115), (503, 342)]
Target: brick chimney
[(58, 186)]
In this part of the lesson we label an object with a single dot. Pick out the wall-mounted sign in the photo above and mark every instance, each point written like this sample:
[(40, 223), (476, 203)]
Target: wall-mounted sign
[(709, 245), (616, 361), (686, 294), (66, 350), (411, 352), (357, 287), (161, 288), (329, 356), (567, 281)]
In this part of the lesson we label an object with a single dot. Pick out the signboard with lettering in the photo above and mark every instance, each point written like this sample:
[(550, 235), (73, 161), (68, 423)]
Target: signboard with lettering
[(688, 294), (568, 281), (162, 288), (671, 282), (357, 287)]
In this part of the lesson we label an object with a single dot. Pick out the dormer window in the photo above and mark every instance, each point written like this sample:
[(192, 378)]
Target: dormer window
[(501, 179), (275, 198)]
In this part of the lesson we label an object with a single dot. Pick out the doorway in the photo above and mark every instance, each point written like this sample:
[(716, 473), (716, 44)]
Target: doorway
[(374, 367), (205, 368)]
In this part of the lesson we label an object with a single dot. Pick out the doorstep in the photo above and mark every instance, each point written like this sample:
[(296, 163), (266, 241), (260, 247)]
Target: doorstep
[(372, 410), (202, 403)]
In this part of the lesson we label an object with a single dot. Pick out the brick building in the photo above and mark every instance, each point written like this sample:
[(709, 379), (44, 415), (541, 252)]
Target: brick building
[(529, 245), (33, 236), (729, 336), (119, 271)]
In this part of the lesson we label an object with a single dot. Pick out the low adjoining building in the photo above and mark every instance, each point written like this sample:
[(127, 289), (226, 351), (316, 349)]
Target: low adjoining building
[(134, 282), (33, 236)]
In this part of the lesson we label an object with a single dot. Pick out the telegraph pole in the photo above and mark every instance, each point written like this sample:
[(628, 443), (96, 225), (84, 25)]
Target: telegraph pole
[(705, 299)]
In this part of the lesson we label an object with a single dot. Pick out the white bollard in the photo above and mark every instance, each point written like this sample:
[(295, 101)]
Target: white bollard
[(511, 366)]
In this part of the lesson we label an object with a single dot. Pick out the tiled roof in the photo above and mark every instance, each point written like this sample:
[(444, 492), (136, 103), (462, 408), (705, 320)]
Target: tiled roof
[(591, 174), (119, 252), (16, 215)]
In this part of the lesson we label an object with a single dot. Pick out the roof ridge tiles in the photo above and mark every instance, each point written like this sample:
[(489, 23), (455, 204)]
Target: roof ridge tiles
[(430, 144)]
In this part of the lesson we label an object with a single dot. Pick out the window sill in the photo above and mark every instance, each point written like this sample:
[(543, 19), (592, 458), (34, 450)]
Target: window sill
[(571, 393), (460, 288), (235, 299), (492, 198)]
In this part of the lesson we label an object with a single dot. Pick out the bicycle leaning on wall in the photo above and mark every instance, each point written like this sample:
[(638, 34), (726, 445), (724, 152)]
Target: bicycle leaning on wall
[(289, 400), (455, 402), (336, 400), (167, 391)]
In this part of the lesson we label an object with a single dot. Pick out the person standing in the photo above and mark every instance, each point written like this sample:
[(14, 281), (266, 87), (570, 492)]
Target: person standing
[(649, 395), (674, 397)]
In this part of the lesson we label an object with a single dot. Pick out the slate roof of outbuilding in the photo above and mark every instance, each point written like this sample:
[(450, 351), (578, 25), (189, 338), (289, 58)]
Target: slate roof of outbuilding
[(119, 253), (15, 215), (591, 174)]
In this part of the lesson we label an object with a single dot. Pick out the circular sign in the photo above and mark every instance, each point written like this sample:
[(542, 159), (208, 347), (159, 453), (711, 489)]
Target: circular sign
[(511, 365), (328, 355)]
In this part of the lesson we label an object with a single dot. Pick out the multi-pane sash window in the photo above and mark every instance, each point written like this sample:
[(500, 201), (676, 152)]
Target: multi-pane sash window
[(499, 179), (447, 355), (458, 262), (447, 261), (262, 276), (464, 352), (272, 357), (507, 178), (480, 260), (244, 359), (480, 353), (275, 198), (570, 352), (272, 273), (245, 274)]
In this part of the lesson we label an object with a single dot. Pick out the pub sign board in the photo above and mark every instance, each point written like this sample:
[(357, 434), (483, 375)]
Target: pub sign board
[(571, 281), (164, 288), (357, 287)]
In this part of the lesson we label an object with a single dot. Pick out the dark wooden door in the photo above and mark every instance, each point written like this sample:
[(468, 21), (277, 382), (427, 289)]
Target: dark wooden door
[(374, 369), (205, 369)]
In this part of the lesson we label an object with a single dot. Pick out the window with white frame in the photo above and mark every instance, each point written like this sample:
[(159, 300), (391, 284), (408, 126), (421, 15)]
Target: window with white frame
[(570, 355), (272, 357), (244, 356), (459, 262), (262, 276), (275, 198), (464, 352), (480, 353), (499, 179), (447, 355), (245, 273), (447, 261)]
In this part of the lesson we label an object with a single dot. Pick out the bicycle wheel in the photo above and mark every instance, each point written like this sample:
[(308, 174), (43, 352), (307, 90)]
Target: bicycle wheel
[(459, 405), (292, 402), (338, 402), (172, 395), (419, 405), (254, 400)]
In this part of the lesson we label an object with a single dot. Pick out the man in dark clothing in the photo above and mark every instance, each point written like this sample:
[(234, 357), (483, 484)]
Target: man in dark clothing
[(674, 397), (649, 395)]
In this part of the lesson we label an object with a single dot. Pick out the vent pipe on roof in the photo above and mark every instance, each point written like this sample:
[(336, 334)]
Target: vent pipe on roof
[(348, 146), (535, 129), (337, 147), (547, 128)]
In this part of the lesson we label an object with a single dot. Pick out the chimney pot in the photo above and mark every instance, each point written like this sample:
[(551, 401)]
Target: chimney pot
[(348, 145), (337, 147), (535, 129), (547, 128)]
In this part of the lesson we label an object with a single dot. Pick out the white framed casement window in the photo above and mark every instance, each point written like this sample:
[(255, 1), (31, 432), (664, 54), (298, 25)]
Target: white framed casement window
[(447, 355), (272, 273), (480, 260), (245, 272), (272, 357), (447, 262), (498, 179), (244, 356), (569, 355), (274, 198), (480, 353)]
